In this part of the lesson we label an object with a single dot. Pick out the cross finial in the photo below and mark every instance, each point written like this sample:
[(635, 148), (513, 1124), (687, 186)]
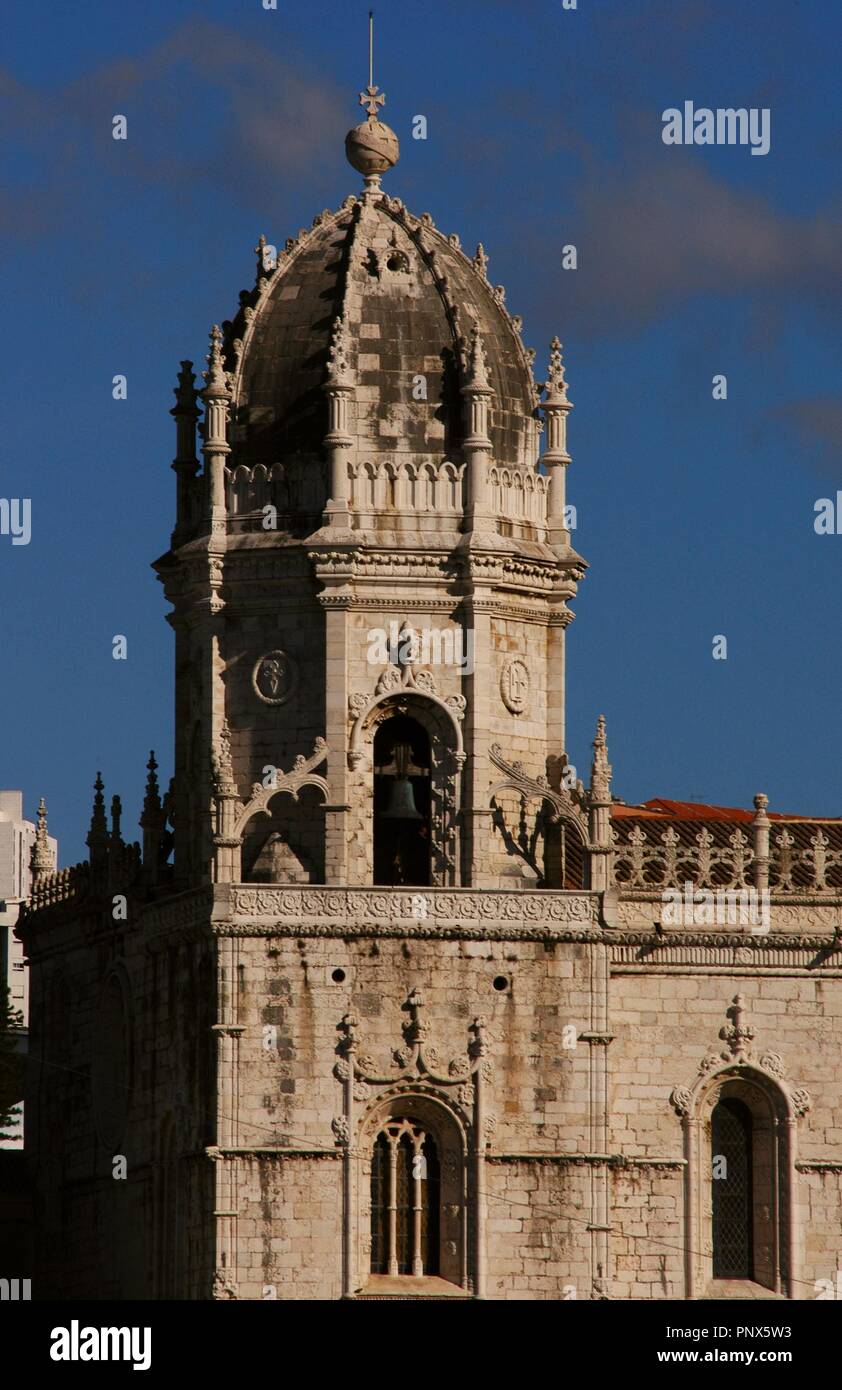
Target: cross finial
[(739, 1036), (371, 99)]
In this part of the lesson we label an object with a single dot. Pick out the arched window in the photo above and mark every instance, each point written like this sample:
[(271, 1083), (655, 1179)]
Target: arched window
[(402, 803), (740, 1137), (405, 1196), (732, 1191)]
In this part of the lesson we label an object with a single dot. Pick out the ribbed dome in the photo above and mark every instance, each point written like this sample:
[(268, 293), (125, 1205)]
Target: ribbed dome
[(408, 295)]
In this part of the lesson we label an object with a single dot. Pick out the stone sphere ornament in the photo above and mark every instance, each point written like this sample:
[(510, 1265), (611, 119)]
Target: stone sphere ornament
[(372, 147)]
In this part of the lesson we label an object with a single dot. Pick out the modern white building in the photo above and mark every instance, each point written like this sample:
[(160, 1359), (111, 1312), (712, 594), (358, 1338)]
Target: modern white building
[(17, 837)]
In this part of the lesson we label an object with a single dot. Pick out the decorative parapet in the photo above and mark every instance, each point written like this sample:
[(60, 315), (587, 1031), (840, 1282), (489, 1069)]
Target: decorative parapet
[(804, 856), (516, 494), (400, 485), (291, 487), (62, 886)]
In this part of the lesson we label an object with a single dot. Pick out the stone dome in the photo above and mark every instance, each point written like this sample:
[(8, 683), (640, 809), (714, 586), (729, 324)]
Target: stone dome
[(409, 297)]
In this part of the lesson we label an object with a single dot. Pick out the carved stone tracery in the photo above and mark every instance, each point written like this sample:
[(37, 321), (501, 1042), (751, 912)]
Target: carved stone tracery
[(449, 1102), (301, 775)]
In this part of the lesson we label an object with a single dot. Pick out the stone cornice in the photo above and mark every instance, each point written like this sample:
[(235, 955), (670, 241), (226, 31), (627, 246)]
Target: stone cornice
[(661, 948), (582, 1160)]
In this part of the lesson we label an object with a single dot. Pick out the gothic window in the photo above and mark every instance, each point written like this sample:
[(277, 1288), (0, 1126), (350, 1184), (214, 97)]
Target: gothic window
[(732, 1198), (402, 803), (405, 1196), (740, 1137)]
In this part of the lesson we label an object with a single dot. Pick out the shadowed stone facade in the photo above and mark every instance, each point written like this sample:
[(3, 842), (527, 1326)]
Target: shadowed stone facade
[(387, 1003)]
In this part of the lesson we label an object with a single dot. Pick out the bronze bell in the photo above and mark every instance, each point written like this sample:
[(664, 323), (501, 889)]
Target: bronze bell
[(401, 801)]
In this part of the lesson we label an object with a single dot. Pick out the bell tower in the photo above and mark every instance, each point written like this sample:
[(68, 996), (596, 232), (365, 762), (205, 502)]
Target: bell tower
[(370, 572)]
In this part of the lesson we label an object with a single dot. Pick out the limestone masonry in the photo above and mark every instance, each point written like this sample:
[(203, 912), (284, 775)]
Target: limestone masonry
[(387, 1003)]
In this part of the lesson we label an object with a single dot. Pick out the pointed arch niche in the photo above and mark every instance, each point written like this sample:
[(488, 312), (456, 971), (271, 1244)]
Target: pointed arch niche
[(740, 1121)]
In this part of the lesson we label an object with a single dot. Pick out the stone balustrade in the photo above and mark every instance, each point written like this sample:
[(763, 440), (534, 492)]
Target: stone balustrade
[(805, 856)]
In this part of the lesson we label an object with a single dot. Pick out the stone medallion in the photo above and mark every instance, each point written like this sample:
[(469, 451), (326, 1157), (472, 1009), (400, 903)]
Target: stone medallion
[(514, 684), (274, 678)]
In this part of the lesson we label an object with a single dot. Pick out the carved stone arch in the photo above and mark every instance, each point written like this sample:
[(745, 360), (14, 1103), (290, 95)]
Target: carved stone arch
[(559, 825), (260, 486), (413, 693), (773, 1109), (259, 803), (368, 712), (425, 498), (368, 484), (240, 490), (402, 485), (431, 1113), (446, 488), (518, 495), (296, 829)]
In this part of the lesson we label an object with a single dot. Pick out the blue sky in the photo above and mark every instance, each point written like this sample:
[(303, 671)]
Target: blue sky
[(544, 129)]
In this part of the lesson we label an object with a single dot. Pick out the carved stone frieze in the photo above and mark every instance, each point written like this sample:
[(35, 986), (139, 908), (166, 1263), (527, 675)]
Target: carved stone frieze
[(352, 905)]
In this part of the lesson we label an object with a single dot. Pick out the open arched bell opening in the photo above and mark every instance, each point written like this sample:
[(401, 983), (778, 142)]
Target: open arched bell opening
[(284, 843), (402, 800)]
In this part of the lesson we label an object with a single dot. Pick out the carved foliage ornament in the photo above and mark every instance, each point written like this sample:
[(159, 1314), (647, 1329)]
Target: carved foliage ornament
[(416, 1062)]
